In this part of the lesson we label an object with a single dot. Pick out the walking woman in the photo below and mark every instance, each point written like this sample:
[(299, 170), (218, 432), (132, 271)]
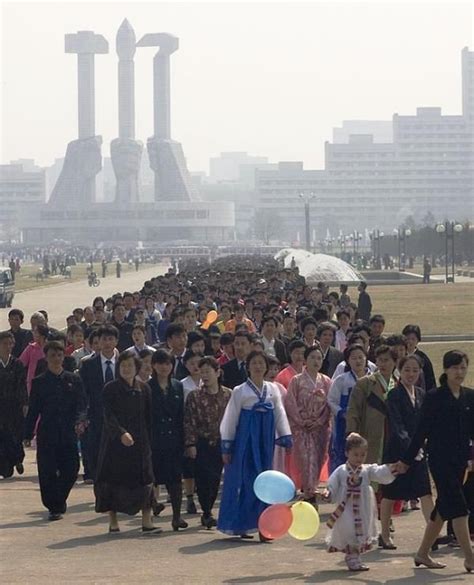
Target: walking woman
[(253, 418), (356, 367), (168, 431), (13, 407), (309, 416), (124, 481), (447, 426), (404, 404), (204, 410)]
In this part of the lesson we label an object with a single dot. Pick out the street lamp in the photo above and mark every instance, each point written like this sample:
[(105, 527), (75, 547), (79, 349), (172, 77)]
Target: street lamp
[(355, 237), (448, 229), (402, 234), (307, 198), (375, 237)]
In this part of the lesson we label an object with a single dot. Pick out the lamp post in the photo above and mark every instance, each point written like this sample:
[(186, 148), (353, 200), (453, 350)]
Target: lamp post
[(355, 237), (448, 229), (307, 198), (375, 237), (402, 234)]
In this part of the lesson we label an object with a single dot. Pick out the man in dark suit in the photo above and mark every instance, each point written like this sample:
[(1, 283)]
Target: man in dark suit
[(364, 305), (95, 373), (57, 399), (234, 372), (22, 336), (124, 327), (271, 344), (176, 341), (331, 356), (129, 307)]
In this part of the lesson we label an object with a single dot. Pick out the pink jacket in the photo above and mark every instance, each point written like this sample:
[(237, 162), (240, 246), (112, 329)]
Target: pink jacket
[(29, 358)]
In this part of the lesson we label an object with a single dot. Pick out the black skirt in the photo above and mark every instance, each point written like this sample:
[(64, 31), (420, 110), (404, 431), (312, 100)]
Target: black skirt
[(451, 501), (167, 465), (121, 498), (413, 484)]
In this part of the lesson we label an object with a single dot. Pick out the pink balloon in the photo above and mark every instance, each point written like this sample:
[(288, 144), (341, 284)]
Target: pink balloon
[(275, 521)]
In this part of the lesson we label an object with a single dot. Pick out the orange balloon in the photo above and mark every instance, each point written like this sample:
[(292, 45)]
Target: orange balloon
[(275, 521), (210, 319)]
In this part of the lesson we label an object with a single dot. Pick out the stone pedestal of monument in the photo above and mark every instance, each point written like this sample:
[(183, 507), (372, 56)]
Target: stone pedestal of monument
[(76, 183), (126, 156)]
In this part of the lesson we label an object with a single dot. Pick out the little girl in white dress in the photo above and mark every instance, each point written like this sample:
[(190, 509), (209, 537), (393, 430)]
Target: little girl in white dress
[(353, 524)]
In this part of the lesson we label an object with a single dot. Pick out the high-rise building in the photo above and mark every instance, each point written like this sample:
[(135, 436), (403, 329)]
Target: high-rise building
[(427, 167), (22, 184)]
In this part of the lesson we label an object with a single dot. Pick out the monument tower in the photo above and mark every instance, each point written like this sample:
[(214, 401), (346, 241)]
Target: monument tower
[(125, 151), (76, 183), (172, 180)]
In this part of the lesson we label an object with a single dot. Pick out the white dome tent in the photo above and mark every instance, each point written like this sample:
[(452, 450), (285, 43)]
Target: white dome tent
[(320, 267)]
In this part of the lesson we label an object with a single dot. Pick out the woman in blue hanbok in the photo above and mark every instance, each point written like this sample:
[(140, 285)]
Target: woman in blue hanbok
[(338, 399), (253, 418)]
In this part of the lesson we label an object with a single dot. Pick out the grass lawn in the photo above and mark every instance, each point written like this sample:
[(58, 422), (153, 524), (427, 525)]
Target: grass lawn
[(26, 278), (436, 308), (435, 352)]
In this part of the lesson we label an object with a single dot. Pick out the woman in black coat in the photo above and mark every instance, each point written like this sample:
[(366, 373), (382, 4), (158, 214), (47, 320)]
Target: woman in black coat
[(124, 481), (404, 406), (447, 426), (168, 431)]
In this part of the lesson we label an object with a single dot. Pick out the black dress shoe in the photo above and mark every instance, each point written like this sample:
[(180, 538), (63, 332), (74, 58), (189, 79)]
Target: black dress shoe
[(157, 507), (53, 516), (177, 524), (264, 538), (191, 506), (113, 530), (20, 468)]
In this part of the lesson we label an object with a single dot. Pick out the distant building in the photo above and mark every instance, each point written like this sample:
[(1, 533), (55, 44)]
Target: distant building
[(226, 167), (22, 184), (426, 167), (381, 130)]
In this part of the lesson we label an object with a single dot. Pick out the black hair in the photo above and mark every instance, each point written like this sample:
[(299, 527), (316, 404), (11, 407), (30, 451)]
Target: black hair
[(141, 327), (108, 331), (393, 340), (342, 312), (269, 318), (254, 353), (189, 355), (295, 344), (53, 345), (273, 361), (309, 350), (43, 330), (377, 319), (243, 333), (415, 329), (307, 321), (382, 349), (174, 329), (161, 356), (454, 357), (143, 353), (16, 313), (405, 358), (326, 326), (227, 338), (349, 350), (6, 335)]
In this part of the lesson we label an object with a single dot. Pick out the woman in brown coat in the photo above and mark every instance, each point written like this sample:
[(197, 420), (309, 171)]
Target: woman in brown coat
[(367, 411), (124, 473)]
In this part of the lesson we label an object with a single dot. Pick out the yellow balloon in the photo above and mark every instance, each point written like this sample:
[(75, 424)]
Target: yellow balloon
[(305, 523)]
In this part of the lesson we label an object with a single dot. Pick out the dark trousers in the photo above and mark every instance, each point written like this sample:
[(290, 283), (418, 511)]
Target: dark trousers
[(468, 490), (92, 446), (58, 466), (11, 453), (208, 471)]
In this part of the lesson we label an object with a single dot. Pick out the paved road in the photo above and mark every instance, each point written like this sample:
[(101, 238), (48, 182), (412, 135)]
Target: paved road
[(77, 550), (61, 298)]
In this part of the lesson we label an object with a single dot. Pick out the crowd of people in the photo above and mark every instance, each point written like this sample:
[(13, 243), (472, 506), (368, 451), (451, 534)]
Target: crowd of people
[(215, 372)]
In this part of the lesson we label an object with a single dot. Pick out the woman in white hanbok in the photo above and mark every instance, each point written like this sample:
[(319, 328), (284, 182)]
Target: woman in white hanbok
[(353, 524)]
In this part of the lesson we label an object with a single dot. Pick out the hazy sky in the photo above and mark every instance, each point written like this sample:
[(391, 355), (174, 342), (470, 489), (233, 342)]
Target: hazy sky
[(270, 78)]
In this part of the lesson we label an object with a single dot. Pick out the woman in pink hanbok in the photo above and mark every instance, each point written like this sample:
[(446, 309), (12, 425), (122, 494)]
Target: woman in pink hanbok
[(309, 417), (296, 354)]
